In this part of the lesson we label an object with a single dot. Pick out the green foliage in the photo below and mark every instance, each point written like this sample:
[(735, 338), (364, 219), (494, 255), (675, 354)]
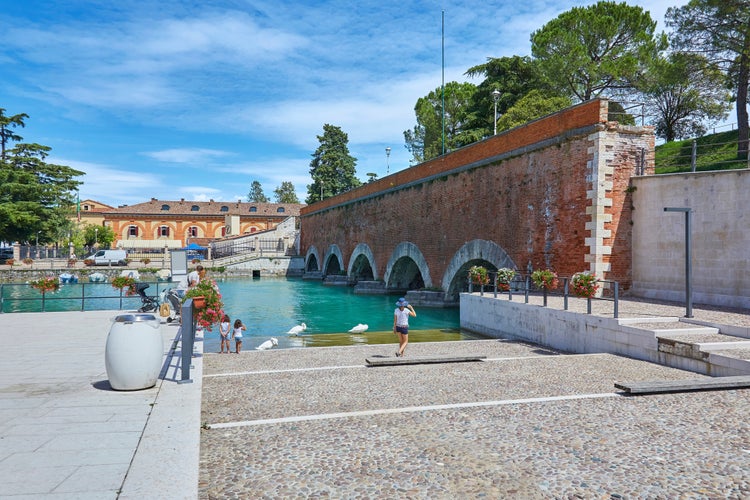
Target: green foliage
[(425, 140), (478, 275), (214, 310), (286, 193), (46, 284), (530, 107), (256, 194), (120, 282), (596, 49), (714, 152), (101, 235), (35, 196), (719, 28), (545, 279), (682, 92), (584, 284), (332, 168)]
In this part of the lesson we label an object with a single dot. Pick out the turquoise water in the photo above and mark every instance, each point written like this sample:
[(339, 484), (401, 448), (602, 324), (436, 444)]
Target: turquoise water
[(269, 307)]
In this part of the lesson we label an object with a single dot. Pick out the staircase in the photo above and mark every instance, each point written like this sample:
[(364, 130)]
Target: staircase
[(704, 348)]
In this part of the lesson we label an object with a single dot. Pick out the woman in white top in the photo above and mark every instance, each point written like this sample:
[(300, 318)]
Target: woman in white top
[(401, 324)]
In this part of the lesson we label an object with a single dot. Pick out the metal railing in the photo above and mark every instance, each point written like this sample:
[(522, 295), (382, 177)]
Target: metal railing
[(522, 284), (117, 298)]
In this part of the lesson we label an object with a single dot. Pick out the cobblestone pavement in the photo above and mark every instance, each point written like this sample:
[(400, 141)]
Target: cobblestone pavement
[(527, 422)]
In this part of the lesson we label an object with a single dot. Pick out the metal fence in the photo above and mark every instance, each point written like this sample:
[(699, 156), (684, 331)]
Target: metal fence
[(522, 285)]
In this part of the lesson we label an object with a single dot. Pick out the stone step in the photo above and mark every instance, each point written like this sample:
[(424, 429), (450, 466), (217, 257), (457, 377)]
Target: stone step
[(700, 384), (419, 360)]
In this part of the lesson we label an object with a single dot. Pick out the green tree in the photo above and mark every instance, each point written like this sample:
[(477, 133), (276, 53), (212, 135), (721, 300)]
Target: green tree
[(530, 107), (256, 194), (682, 92), (6, 134), (286, 193), (425, 140), (720, 30), (35, 196), (101, 235), (601, 48), (513, 77), (332, 168)]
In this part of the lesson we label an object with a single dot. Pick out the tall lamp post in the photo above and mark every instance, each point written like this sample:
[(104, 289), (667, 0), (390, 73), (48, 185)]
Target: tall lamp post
[(495, 97), (688, 259), (37, 244), (96, 237), (387, 160)]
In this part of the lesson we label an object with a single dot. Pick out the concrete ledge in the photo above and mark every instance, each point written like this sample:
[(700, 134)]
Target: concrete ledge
[(701, 384), (422, 360)]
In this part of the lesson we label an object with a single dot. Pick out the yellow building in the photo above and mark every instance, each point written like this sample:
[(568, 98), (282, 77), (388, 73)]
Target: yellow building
[(175, 224)]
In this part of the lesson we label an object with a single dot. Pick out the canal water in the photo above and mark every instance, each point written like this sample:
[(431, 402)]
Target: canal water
[(270, 307)]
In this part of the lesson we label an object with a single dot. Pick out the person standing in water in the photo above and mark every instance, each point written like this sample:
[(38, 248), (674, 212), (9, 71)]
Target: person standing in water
[(401, 324)]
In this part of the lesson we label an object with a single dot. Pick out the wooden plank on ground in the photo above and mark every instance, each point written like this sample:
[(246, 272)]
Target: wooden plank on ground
[(421, 360), (698, 384)]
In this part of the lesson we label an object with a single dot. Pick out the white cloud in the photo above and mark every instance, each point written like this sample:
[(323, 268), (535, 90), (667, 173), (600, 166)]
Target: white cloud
[(190, 156)]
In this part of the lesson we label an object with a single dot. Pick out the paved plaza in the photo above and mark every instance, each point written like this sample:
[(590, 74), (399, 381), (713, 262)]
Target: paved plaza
[(526, 422)]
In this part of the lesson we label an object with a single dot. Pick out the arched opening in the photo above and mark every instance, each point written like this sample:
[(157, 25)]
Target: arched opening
[(361, 270), (405, 275), (312, 263), (332, 265), (460, 282)]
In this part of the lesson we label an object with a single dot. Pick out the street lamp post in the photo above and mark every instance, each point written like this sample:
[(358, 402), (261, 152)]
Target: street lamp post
[(495, 97), (387, 160), (37, 244), (688, 259), (96, 237)]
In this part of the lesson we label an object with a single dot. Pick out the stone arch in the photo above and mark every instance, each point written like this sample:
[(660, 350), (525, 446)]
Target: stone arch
[(312, 260), (362, 264), (407, 268), (333, 262), (475, 252)]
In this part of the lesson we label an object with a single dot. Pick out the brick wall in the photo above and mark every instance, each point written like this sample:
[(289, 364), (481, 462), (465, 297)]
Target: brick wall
[(550, 193)]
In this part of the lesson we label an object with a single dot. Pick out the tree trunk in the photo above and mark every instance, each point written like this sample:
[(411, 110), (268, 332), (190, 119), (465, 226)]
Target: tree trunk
[(742, 119)]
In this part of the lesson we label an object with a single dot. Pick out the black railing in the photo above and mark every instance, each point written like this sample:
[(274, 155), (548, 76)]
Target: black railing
[(522, 284), (25, 294)]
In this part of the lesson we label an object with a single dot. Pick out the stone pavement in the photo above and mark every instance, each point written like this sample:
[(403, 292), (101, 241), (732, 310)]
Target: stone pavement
[(527, 422), (65, 434)]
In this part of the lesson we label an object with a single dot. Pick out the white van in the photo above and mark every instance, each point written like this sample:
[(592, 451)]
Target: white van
[(108, 257)]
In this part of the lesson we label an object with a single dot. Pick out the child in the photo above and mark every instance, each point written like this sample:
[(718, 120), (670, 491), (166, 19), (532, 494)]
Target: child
[(237, 335), (224, 332)]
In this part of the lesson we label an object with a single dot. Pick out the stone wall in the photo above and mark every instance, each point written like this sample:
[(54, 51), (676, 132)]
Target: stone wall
[(720, 235)]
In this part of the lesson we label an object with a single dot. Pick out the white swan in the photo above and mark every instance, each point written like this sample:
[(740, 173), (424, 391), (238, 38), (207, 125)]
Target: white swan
[(296, 330), (360, 328), (267, 344)]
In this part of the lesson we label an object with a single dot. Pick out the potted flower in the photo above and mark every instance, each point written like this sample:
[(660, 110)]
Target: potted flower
[(206, 291), (544, 279), (46, 284), (478, 275), (28, 261), (121, 282), (504, 276), (584, 284)]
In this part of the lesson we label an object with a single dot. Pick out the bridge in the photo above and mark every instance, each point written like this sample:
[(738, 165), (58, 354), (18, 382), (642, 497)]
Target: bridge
[(552, 194)]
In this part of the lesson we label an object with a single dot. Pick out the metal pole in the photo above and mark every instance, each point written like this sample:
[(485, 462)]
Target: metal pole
[(688, 258), (693, 156)]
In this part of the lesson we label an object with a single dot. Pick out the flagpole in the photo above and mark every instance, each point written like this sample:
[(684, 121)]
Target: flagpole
[(442, 85)]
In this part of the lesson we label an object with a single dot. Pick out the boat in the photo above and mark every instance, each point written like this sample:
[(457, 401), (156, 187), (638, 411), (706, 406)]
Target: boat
[(97, 278), (68, 278), (164, 275)]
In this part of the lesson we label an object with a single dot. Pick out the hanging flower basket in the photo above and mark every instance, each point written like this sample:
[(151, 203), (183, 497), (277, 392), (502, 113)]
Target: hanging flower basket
[(121, 282), (545, 279), (45, 285), (504, 277), (584, 285), (212, 310), (478, 275)]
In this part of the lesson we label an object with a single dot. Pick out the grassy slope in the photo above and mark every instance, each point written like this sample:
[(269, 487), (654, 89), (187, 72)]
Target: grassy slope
[(714, 152)]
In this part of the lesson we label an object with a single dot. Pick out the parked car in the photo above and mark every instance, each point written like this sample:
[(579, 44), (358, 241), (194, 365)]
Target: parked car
[(108, 257)]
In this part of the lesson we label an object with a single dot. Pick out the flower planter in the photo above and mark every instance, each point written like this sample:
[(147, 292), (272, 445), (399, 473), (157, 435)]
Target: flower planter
[(199, 302)]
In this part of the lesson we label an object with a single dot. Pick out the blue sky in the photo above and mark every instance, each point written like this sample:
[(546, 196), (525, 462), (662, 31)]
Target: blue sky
[(196, 99)]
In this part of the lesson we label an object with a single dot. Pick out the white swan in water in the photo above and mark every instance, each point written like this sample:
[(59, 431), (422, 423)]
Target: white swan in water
[(360, 328), (296, 330), (267, 344)]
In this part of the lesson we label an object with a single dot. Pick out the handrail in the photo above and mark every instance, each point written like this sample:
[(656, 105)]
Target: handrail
[(45, 297), (522, 282), (187, 336)]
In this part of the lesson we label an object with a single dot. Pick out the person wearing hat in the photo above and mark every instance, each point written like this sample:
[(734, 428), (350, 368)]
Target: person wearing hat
[(401, 324)]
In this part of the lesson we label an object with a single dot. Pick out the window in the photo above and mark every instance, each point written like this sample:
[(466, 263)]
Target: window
[(133, 231), (165, 207), (224, 208), (280, 209), (193, 232), (253, 209), (164, 231), (194, 208)]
